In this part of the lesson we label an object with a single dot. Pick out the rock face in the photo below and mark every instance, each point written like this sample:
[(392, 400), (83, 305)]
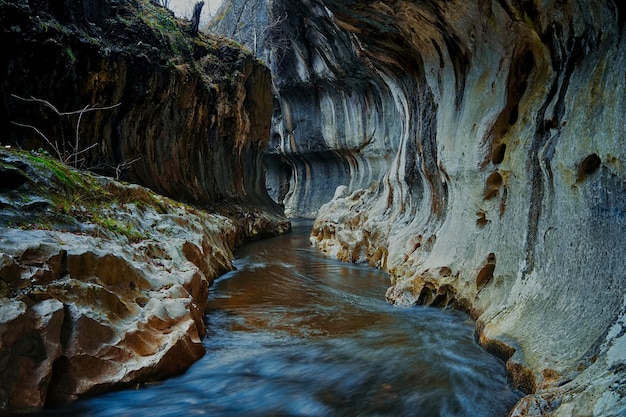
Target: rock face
[(336, 121), (101, 284), (190, 115), (495, 133)]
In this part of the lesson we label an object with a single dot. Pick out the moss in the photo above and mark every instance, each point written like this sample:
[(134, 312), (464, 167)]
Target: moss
[(166, 28), (76, 189), (70, 55), (119, 227), (89, 199), (41, 222), (62, 172)]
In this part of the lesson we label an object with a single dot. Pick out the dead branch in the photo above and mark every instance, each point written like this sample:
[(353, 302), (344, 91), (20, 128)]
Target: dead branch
[(64, 155), (87, 108), (54, 146), (124, 165), (80, 116), (195, 18)]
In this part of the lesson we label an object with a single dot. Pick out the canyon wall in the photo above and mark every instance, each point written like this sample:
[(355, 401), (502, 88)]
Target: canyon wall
[(336, 121), (479, 151), (187, 116), (103, 284)]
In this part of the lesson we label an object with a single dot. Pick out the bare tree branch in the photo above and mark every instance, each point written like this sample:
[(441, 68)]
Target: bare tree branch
[(75, 154), (121, 167), (53, 145), (68, 156), (80, 116), (88, 108)]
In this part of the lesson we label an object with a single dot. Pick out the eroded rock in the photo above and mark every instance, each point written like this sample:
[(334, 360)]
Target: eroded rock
[(186, 116), (112, 297), (30, 336), (494, 131), (102, 284)]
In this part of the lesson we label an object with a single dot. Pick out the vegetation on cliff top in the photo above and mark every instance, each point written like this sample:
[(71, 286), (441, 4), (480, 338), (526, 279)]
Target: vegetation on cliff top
[(137, 26), (70, 38)]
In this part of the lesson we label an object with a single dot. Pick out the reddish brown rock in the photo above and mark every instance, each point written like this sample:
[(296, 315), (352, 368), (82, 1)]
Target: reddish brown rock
[(30, 344)]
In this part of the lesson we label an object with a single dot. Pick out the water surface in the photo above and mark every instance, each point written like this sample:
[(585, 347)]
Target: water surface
[(291, 333)]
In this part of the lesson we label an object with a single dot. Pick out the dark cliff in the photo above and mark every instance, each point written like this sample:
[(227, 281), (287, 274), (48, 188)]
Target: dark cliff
[(479, 146), (190, 115)]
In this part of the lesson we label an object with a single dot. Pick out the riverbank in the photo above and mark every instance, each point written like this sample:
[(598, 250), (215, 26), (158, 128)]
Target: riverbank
[(102, 284)]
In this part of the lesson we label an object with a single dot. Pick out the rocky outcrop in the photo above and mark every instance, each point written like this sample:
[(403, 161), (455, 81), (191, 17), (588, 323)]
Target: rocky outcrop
[(101, 284), (498, 128), (186, 116)]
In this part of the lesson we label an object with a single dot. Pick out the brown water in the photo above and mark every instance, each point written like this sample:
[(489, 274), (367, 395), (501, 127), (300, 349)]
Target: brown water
[(291, 333)]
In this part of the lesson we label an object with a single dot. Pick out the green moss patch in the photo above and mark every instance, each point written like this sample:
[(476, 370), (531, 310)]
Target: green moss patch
[(54, 196)]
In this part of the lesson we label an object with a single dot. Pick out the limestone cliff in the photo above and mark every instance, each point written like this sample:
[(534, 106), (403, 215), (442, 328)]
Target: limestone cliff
[(494, 131), (335, 119)]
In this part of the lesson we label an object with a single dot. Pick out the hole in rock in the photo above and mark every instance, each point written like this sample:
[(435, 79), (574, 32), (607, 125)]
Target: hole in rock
[(497, 155), (445, 271), (482, 219), (525, 66), (445, 294), (588, 166), (11, 178), (426, 295), (486, 273), (492, 185), (514, 114)]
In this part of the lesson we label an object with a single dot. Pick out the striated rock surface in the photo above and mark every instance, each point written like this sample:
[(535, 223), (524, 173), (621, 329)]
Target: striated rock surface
[(336, 120), (495, 133), (101, 284), (185, 116)]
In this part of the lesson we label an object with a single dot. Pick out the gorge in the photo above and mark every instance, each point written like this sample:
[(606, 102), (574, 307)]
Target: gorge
[(293, 332), (473, 150)]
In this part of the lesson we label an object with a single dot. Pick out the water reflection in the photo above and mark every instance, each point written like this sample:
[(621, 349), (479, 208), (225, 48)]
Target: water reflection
[(291, 333)]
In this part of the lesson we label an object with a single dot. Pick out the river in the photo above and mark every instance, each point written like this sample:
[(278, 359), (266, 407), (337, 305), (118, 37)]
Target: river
[(292, 333)]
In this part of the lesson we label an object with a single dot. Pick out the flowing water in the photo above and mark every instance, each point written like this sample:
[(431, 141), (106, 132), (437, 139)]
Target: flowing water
[(291, 333)]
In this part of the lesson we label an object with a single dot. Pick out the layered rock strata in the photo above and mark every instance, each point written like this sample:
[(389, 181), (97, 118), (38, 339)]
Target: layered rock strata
[(103, 285), (187, 116), (502, 126), (336, 121)]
